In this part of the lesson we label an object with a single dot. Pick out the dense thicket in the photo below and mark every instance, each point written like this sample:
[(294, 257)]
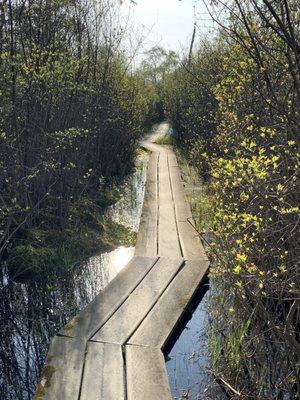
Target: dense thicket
[(71, 112), (189, 101), (155, 67), (252, 125)]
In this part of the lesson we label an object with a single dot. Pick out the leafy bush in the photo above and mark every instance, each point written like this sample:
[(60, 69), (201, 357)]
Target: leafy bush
[(190, 104), (27, 262), (71, 113), (253, 164)]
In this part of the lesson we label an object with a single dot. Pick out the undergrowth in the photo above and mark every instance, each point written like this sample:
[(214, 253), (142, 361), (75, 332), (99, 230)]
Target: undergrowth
[(54, 246), (164, 140)]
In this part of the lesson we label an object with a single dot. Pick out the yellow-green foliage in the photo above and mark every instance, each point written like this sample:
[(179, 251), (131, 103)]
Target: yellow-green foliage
[(255, 178), (253, 162), (45, 382), (190, 104), (71, 113), (165, 140), (198, 194), (255, 184)]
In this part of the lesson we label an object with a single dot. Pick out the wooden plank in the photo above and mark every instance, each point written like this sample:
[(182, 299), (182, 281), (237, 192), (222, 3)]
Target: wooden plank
[(177, 184), (190, 243), (163, 318), (168, 241), (61, 376), (103, 377), (152, 146), (146, 244), (172, 158), (146, 374), (182, 208), (127, 318), (107, 301), (141, 305)]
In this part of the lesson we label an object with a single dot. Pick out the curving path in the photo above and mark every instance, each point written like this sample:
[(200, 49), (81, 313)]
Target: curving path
[(113, 349)]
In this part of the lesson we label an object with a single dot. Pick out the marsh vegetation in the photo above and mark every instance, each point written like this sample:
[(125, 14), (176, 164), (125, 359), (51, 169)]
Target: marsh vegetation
[(234, 105), (73, 107)]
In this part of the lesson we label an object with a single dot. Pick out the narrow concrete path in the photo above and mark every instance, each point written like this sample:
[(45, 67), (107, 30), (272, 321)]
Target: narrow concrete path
[(113, 349)]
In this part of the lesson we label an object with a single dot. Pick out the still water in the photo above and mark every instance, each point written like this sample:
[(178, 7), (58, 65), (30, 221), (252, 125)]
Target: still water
[(31, 313), (187, 352)]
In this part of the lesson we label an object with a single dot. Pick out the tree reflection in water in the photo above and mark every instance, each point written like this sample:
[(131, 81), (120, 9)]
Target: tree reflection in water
[(32, 313), (187, 352)]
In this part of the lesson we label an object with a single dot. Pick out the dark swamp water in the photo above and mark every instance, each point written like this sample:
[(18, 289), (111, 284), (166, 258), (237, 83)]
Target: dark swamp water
[(187, 354), (31, 314)]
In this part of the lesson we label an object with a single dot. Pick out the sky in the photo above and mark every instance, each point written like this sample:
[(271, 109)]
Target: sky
[(167, 23)]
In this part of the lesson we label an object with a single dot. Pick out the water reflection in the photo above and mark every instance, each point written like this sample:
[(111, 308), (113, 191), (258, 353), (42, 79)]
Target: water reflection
[(31, 313), (127, 211), (187, 353), (98, 271)]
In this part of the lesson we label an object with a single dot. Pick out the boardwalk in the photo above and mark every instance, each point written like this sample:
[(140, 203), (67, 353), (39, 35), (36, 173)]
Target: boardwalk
[(113, 349)]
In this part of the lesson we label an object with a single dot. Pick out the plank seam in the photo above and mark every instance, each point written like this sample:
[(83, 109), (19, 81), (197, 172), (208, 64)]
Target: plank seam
[(123, 349), (174, 207), (204, 281), (143, 346), (181, 266), (104, 342), (124, 299), (192, 294), (157, 201), (82, 372), (87, 338), (124, 345)]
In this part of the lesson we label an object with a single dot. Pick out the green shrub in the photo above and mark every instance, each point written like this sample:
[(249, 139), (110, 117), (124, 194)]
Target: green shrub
[(27, 262), (252, 154), (164, 140)]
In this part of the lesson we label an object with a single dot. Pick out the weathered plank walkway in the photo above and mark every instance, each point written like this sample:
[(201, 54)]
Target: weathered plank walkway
[(113, 349)]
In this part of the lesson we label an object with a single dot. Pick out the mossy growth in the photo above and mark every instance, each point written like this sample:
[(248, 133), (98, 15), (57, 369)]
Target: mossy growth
[(45, 382), (54, 252), (115, 234), (164, 140), (142, 150), (27, 262), (53, 247), (69, 325), (47, 374)]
